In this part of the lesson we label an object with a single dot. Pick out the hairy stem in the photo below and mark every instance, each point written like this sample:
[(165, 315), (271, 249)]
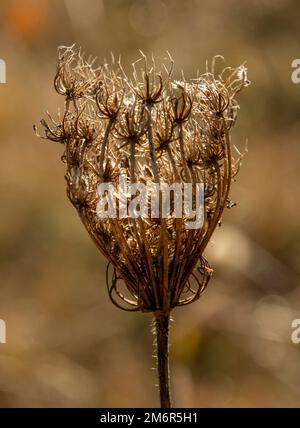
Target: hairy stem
[(162, 320)]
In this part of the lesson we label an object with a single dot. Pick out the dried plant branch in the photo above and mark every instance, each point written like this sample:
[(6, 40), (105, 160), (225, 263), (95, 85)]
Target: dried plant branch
[(162, 320), (154, 130)]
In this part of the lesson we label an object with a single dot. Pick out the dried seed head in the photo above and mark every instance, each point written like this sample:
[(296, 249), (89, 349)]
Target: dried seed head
[(153, 130)]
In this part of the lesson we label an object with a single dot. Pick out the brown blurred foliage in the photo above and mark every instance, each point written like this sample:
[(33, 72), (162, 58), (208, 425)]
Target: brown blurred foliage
[(66, 344)]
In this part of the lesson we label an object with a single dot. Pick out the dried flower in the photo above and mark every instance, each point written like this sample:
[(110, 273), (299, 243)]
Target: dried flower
[(154, 130)]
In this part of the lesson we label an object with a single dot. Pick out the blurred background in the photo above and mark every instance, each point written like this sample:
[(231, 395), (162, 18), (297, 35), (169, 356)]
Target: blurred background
[(67, 345)]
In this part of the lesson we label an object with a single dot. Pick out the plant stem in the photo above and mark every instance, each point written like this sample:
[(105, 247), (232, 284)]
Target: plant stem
[(162, 351)]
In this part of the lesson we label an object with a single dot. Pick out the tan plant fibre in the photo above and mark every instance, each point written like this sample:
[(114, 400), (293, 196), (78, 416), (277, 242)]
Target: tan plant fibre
[(154, 130)]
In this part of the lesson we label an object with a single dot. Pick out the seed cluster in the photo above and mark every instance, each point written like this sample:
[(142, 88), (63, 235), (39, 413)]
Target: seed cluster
[(153, 129)]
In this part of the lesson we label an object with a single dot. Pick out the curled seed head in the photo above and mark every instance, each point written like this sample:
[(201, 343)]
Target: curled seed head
[(153, 130)]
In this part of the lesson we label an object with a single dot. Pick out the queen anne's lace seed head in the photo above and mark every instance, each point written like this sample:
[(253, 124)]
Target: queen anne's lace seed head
[(153, 130)]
